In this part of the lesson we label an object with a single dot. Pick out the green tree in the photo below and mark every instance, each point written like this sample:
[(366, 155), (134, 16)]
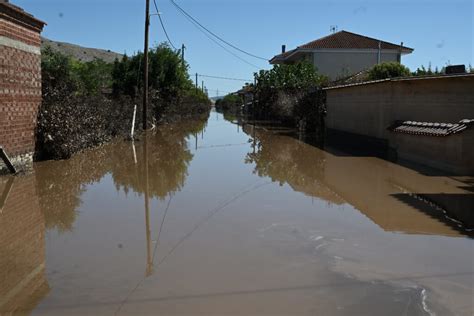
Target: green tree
[(229, 101), (297, 76), (92, 77), (388, 70), (56, 72)]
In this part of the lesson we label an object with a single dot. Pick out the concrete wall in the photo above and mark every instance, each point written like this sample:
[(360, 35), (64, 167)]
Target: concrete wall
[(336, 64), (369, 109), (20, 81)]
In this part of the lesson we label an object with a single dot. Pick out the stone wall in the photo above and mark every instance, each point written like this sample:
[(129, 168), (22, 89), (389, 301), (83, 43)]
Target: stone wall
[(20, 82)]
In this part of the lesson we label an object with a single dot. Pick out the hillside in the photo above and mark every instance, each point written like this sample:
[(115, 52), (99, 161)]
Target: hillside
[(81, 53)]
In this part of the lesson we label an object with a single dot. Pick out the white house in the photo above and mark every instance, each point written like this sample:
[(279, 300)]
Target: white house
[(343, 54)]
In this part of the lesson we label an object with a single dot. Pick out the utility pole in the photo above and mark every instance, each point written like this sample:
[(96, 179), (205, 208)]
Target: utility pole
[(197, 82), (182, 54), (202, 86), (145, 76)]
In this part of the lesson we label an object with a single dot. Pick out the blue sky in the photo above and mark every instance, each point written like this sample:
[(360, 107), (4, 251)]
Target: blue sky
[(441, 32)]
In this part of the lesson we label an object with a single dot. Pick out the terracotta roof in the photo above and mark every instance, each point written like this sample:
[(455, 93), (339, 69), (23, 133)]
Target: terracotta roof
[(348, 40), (431, 129), (344, 40)]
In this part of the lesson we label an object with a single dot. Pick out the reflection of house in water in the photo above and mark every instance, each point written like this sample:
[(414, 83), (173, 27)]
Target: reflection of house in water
[(394, 197), (397, 198), (22, 247)]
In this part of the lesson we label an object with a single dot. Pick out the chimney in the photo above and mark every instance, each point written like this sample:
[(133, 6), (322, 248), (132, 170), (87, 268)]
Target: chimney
[(283, 49)]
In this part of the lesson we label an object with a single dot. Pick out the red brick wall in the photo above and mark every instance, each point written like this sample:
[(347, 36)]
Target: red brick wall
[(15, 31), (20, 86), (22, 246)]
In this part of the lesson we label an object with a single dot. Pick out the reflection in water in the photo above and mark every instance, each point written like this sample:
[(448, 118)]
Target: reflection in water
[(387, 193), (171, 226), (63, 183), (22, 247)]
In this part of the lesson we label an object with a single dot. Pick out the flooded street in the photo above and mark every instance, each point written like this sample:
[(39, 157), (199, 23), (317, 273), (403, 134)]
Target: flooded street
[(212, 218)]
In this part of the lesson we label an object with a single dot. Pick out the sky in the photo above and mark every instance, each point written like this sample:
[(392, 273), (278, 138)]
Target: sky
[(441, 32)]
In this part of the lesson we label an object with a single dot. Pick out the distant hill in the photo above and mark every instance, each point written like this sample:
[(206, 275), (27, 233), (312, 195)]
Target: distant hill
[(81, 53)]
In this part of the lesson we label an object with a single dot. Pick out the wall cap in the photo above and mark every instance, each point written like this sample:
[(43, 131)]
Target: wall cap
[(17, 15), (432, 77)]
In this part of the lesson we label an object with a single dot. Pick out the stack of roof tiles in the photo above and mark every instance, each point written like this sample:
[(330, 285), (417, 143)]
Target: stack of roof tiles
[(431, 129)]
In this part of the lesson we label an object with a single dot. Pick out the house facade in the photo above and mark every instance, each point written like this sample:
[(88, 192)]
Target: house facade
[(343, 54)]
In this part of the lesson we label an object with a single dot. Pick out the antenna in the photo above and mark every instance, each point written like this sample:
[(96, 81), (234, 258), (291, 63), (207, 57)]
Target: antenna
[(333, 28)]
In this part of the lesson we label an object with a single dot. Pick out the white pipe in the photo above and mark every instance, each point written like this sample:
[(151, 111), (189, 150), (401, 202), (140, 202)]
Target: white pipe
[(133, 122), (379, 53)]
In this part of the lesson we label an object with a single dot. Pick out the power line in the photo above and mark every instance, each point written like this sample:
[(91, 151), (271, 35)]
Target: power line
[(163, 25), (215, 35), (219, 90), (225, 78), (220, 45)]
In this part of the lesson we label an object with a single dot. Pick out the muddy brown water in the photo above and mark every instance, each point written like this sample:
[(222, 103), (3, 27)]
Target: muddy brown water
[(212, 218)]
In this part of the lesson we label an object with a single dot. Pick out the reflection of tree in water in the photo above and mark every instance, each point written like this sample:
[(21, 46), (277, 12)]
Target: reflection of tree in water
[(287, 160), (168, 161), (60, 184)]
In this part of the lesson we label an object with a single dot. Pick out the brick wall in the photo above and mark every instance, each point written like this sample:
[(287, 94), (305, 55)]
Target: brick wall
[(20, 80), (22, 246)]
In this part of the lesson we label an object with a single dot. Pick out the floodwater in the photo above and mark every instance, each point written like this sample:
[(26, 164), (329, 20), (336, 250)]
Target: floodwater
[(212, 218)]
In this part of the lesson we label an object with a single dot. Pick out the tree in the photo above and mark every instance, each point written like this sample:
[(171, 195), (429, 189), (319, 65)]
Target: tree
[(388, 70), (298, 76)]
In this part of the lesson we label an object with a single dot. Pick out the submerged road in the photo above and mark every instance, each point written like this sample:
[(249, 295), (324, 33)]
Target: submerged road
[(210, 218)]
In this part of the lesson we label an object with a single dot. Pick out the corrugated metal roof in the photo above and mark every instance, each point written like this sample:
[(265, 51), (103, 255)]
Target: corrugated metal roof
[(431, 129)]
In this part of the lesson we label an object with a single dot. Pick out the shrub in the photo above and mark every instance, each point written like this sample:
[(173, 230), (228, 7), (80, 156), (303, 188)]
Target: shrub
[(282, 93), (65, 74), (298, 76), (422, 71), (388, 70), (230, 101)]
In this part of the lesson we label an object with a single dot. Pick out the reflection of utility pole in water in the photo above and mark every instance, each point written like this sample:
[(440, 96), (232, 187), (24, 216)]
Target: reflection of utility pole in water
[(149, 265), (196, 138), (253, 108)]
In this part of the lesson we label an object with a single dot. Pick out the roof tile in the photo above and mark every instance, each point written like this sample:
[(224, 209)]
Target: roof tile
[(430, 129), (348, 40)]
